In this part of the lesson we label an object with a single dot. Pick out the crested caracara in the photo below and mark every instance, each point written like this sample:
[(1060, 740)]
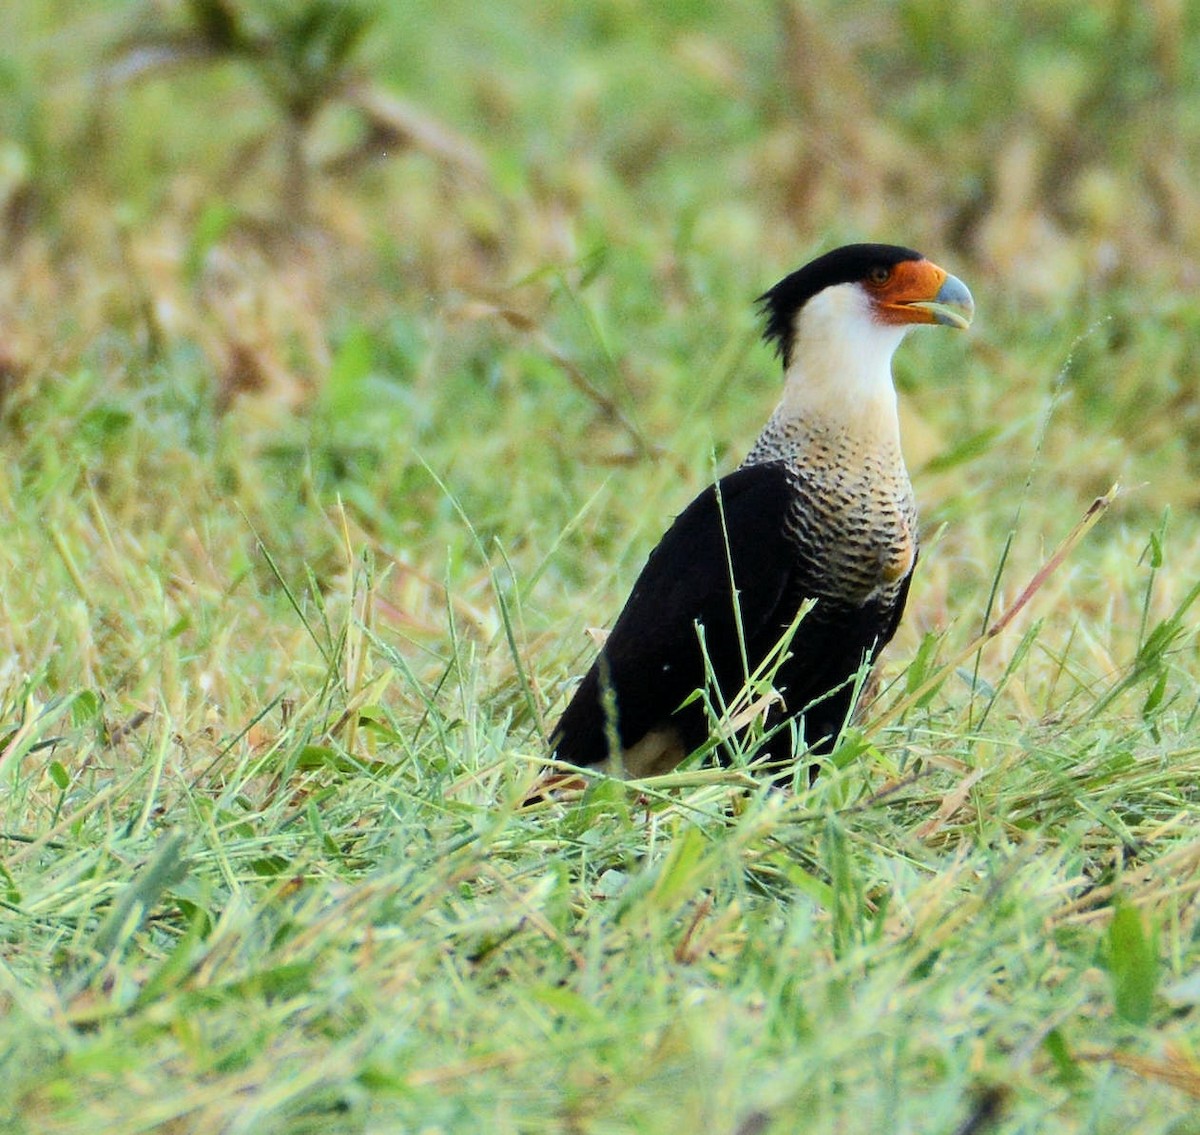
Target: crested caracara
[(794, 567)]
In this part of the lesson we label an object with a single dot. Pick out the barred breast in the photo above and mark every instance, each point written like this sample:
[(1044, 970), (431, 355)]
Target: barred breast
[(853, 518)]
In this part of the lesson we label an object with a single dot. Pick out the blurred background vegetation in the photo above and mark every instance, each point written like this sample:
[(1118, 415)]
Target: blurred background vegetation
[(330, 246), (259, 180)]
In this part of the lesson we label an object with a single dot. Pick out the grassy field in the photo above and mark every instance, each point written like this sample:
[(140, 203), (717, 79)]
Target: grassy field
[(352, 359)]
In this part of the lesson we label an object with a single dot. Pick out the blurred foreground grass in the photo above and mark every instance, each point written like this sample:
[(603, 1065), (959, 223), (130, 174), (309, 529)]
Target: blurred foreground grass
[(353, 358)]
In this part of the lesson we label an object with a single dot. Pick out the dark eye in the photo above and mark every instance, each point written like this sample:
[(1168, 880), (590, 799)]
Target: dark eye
[(879, 275)]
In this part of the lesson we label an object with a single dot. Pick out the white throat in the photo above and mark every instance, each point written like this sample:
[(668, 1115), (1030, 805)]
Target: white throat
[(840, 375)]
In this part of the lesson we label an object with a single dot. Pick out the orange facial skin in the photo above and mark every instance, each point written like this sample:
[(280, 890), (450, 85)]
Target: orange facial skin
[(918, 291)]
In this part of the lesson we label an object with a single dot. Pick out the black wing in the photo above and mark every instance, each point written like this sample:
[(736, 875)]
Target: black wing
[(652, 660)]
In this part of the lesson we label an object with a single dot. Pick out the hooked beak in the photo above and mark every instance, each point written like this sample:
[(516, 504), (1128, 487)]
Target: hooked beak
[(951, 307), (918, 291)]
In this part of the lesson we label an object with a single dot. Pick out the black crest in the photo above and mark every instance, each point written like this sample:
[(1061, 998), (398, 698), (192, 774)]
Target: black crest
[(841, 266)]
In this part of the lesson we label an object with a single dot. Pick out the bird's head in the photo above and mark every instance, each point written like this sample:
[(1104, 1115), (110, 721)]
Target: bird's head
[(861, 295)]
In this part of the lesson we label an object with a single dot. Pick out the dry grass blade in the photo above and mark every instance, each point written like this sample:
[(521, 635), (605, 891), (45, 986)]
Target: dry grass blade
[(529, 327), (1086, 523), (1177, 1068), (398, 124), (951, 803)]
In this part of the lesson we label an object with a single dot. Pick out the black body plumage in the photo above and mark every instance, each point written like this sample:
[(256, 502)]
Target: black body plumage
[(653, 660), (809, 519)]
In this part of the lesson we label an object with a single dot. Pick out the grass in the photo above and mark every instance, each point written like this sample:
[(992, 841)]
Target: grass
[(350, 370)]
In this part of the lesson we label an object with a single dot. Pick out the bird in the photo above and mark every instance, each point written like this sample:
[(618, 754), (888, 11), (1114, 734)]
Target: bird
[(787, 576)]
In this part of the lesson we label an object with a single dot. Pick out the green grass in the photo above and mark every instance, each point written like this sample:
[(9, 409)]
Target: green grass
[(315, 467)]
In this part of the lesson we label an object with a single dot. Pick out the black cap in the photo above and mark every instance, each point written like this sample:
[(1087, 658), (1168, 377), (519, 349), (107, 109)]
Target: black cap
[(844, 265)]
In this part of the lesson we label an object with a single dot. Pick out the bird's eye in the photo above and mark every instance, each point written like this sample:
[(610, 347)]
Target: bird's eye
[(879, 275)]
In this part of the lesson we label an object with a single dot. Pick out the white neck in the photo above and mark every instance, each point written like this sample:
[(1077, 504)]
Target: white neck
[(839, 378)]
